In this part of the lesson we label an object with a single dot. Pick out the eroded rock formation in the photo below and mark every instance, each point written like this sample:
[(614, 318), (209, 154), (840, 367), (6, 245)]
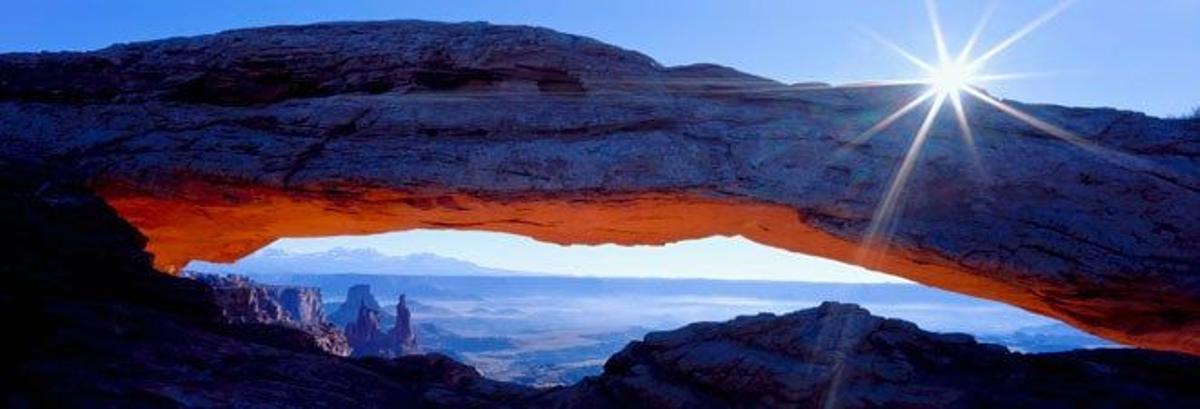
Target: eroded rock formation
[(364, 334), (841, 356), (402, 333), (357, 297), (359, 128), (243, 301), (367, 339)]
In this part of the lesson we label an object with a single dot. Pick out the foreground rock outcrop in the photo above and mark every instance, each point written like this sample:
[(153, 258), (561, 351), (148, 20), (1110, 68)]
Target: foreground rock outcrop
[(244, 302), (841, 356), (356, 128)]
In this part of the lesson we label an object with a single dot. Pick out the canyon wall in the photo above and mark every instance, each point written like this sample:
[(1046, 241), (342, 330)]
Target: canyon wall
[(243, 301), (214, 146)]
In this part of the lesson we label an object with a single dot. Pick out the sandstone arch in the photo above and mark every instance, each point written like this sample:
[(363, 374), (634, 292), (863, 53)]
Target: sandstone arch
[(216, 145)]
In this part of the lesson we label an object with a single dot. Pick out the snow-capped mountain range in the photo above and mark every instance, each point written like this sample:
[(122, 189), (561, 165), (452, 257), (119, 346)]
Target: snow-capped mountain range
[(350, 260)]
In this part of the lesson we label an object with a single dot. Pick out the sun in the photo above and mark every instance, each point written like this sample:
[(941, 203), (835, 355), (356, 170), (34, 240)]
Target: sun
[(950, 77)]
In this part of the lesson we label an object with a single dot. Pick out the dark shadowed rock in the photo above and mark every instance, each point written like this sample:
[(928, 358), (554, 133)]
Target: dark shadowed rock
[(839, 355), (457, 378)]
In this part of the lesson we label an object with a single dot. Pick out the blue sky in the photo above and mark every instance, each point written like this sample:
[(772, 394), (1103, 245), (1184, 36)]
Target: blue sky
[(1139, 55)]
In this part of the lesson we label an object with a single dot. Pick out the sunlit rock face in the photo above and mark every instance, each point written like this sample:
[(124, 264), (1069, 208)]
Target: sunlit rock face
[(214, 146)]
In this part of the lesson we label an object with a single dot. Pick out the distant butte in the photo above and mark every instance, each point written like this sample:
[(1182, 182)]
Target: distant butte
[(214, 146)]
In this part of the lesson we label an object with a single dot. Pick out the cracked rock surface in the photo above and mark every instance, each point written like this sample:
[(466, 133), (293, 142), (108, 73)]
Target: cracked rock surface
[(214, 146)]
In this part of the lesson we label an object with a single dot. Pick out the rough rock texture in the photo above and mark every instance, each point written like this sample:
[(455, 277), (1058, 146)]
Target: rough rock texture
[(358, 296), (368, 127), (243, 301), (838, 355), (366, 338), (100, 328)]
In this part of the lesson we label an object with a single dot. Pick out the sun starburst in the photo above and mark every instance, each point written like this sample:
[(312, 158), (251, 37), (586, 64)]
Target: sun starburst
[(949, 78)]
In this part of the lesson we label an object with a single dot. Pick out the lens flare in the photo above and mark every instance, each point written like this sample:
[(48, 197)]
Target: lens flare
[(949, 79)]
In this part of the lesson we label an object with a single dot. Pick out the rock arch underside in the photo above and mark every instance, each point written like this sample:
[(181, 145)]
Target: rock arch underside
[(214, 146)]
